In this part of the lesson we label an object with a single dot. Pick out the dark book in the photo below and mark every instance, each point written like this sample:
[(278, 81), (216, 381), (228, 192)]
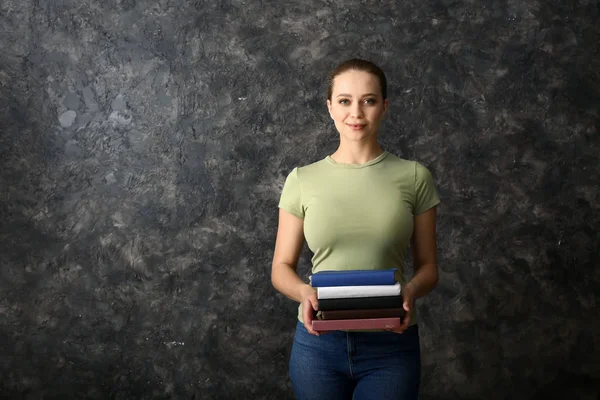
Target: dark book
[(360, 324), (370, 313), (360, 303)]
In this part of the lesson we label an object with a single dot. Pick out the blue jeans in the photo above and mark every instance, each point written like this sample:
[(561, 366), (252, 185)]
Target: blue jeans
[(356, 365)]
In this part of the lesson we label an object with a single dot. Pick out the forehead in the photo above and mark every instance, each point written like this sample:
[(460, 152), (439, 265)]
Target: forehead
[(356, 82)]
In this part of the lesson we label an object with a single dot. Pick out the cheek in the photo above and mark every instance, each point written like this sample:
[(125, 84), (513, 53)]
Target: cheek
[(338, 114), (376, 114)]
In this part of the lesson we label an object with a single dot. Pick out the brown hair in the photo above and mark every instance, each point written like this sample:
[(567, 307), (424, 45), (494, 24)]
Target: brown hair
[(357, 64)]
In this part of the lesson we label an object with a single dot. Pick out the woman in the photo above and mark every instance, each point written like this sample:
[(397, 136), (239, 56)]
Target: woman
[(359, 208)]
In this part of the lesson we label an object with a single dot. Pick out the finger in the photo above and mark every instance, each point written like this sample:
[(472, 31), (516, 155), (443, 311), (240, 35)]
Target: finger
[(405, 322), (307, 316), (404, 325), (308, 325), (310, 330), (314, 303)]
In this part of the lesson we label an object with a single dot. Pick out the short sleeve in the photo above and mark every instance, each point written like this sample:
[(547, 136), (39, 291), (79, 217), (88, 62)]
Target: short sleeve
[(290, 199), (426, 195)]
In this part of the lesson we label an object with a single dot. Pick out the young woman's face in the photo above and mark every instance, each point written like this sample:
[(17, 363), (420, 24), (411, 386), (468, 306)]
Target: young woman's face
[(357, 105)]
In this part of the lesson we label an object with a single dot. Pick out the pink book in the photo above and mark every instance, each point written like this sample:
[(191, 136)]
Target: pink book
[(357, 323)]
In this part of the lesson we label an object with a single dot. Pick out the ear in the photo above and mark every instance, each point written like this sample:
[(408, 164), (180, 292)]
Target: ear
[(329, 108), (386, 105)]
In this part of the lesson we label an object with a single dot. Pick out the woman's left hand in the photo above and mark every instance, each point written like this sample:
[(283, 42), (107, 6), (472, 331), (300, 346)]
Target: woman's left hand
[(408, 304)]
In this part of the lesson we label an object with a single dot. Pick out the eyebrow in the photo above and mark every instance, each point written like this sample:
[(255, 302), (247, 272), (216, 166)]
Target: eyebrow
[(347, 95)]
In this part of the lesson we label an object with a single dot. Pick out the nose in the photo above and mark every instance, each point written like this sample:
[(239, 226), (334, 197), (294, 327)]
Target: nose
[(356, 111)]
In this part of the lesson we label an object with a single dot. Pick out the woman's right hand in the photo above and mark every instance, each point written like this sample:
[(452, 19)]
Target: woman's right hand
[(310, 305)]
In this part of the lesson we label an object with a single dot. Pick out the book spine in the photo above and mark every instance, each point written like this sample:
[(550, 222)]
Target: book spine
[(360, 303), (337, 292), (353, 279), (371, 313), (363, 323)]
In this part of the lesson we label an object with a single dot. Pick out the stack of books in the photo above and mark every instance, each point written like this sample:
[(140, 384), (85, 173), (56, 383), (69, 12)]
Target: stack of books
[(357, 299)]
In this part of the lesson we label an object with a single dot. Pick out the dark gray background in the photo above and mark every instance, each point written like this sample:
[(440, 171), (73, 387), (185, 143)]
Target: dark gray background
[(144, 144)]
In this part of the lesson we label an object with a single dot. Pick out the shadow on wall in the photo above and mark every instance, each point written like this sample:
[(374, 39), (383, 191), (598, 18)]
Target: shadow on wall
[(570, 386)]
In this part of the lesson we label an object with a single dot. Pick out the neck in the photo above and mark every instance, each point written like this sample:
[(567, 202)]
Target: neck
[(356, 152)]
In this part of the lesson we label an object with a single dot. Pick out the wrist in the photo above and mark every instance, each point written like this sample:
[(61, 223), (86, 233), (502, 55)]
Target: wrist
[(410, 287), (305, 291)]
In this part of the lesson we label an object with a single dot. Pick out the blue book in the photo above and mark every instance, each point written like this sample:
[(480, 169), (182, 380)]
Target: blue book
[(357, 277)]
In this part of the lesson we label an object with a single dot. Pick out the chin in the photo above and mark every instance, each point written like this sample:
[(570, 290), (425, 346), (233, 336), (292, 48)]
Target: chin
[(358, 139), (358, 136)]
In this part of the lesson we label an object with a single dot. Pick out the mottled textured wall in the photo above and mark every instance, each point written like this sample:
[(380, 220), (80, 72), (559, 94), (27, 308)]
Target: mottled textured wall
[(143, 146)]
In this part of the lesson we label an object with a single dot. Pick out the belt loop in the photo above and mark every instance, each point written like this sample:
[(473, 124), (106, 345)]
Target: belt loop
[(350, 343)]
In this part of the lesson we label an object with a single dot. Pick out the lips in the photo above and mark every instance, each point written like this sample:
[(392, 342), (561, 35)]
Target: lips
[(356, 127)]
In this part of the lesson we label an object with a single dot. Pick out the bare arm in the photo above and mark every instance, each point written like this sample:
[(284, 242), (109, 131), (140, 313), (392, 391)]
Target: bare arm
[(424, 252), (288, 245), (425, 277), (290, 238)]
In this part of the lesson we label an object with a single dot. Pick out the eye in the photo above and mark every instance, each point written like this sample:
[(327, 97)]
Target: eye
[(344, 101), (370, 101)]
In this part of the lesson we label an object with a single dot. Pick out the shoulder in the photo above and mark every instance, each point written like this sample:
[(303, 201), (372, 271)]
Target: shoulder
[(402, 165), (417, 166), (422, 173), (409, 171), (302, 175), (311, 169), (312, 166), (393, 159)]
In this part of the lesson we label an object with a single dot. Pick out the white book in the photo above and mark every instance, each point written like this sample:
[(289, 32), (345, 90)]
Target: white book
[(340, 292)]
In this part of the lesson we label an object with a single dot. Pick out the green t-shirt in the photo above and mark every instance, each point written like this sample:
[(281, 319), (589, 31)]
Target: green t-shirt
[(359, 216)]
